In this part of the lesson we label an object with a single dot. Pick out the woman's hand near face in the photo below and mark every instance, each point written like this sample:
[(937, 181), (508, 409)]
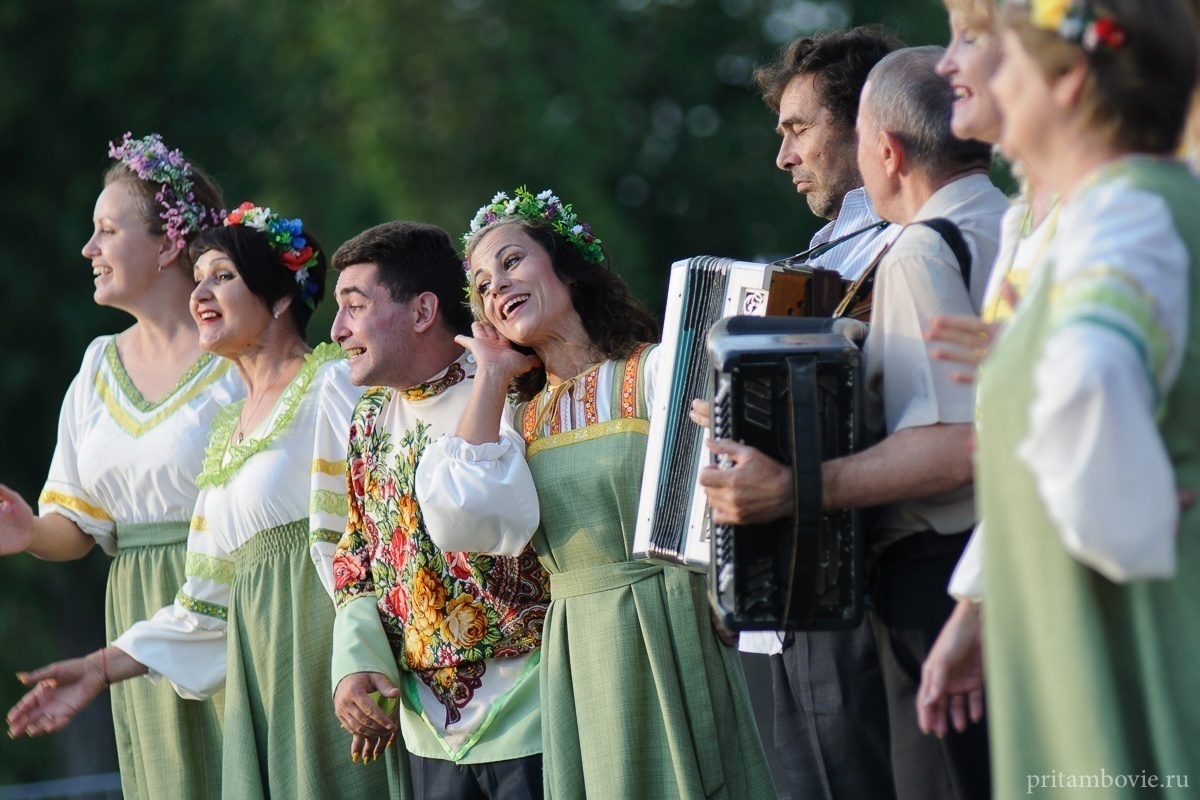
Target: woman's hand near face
[(494, 354), (496, 364)]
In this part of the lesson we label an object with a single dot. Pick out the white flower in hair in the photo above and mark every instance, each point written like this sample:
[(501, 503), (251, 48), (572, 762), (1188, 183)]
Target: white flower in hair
[(510, 208), (577, 229), (500, 196), (547, 195)]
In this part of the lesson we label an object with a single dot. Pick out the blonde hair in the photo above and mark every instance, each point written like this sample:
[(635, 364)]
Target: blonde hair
[(1137, 95), (978, 16)]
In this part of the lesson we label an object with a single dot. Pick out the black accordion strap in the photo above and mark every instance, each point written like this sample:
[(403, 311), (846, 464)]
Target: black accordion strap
[(953, 238), (806, 488), (822, 249)]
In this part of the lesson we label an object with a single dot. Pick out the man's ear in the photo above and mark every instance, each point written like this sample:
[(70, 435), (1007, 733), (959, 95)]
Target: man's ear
[(894, 159), (425, 310)]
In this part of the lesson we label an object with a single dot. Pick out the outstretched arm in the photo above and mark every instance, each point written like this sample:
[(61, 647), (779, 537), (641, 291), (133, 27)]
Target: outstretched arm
[(52, 537), (62, 689)]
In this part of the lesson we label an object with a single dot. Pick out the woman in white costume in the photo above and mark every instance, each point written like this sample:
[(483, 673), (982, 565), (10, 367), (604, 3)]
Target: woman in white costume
[(253, 615), (131, 438)]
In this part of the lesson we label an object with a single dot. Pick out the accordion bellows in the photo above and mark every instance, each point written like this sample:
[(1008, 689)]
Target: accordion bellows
[(789, 386)]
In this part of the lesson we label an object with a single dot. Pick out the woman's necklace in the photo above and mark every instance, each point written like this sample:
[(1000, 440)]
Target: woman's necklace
[(239, 433)]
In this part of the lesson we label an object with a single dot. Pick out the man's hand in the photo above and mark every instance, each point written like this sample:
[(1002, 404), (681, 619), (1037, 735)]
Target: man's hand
[(755, 488), (359, 714), (952, 676), (367, 749)]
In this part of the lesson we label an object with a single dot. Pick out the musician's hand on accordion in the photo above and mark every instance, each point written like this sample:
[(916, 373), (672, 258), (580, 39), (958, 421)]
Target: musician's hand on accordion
[(966, 339), (951, 689), (753, 488)]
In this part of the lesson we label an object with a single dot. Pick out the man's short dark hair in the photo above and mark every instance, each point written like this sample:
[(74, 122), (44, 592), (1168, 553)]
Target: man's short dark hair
[(840, 60), (413, 257)]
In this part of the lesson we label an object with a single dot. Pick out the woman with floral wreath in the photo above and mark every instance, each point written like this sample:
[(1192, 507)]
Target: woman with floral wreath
[(253, 614), (639, 696), (131, 438), (1087, 401)]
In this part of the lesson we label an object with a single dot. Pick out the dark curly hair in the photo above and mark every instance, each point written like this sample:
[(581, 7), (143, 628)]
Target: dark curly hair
[(840, 60), (614, 320), (259, 267)]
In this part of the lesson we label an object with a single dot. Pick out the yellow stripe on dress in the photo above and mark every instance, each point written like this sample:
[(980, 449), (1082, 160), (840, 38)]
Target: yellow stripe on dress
[(588, 433), (335, 468), (73, 504), (127, 421)]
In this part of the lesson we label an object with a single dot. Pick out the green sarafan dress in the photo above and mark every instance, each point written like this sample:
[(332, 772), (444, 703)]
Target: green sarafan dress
[(1092, 684), (124, 471), (639, 696), (253, 614)]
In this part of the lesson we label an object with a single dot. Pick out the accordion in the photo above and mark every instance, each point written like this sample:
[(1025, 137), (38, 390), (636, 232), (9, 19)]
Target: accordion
[(672, 523), (791, 388)]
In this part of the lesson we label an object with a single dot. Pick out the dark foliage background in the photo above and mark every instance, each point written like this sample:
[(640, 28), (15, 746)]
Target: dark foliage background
[(349, 113)]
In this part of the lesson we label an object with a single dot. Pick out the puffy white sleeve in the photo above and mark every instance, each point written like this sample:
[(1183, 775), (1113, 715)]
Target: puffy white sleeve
[(185, 642), (478, 498), (967, 578), (64, 492), (328, 504), (1119, 324)]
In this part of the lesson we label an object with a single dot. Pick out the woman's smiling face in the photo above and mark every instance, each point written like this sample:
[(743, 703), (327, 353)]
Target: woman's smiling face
[(521, 294), (970, 60)]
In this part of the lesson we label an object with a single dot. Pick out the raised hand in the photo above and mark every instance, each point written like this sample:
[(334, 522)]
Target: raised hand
[(493, 353), (16, 522), (964, 339), (60, 691)]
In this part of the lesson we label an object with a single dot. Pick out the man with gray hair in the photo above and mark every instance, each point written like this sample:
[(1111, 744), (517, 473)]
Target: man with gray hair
[(918, 474)]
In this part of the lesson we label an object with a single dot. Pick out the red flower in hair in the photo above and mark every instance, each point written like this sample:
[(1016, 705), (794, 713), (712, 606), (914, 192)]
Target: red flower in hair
[(296, 259), (235, 216), (1109, 32)]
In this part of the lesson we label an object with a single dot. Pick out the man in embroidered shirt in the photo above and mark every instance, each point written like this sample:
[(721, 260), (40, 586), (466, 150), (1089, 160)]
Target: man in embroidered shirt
[(831, 727), (454, 637), (919, 473)]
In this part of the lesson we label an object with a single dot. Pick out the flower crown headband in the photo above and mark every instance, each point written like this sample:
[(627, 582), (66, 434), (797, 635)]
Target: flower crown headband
[(545, 206), (286, 238), (150, 160), (1076, 21)]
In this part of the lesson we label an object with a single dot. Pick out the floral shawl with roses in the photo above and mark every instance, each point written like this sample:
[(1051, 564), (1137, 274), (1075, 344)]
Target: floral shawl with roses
[(444, 613)]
